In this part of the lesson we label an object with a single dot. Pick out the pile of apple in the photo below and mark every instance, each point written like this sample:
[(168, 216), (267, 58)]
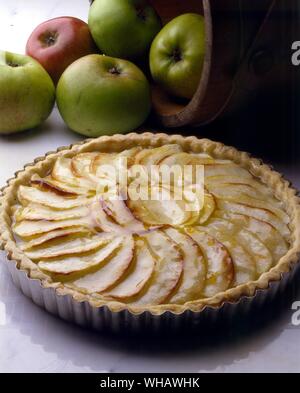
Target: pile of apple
[(92, 69)]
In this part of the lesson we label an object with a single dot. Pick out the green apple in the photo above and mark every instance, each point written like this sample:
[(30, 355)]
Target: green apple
[(99, 95), (27, 93), (123, 28), (177, 55)]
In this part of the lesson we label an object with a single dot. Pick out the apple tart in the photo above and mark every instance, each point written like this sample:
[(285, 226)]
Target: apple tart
[(63, 224)]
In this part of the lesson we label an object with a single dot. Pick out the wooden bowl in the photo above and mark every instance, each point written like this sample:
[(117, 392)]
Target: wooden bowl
[(242, 39)]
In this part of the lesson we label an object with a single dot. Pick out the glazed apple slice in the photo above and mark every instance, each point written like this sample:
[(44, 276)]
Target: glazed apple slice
[(188, 159), (111, 272), (168, 269), (62, 172), (81, 164), (258, 213), (118, 210), (239, 197), (50, 199), (36, 212), (104, 221), (194, 270), (226, 233), (261, 254), (247, 191), (138, 276), (264, 231), (157, 155), (206, 212), (250, 242), (57, 187), (75, 267), (27, 228), (112, 159), (225, 170), (71, 246), (59, 233), (220, 267), (159, 207)]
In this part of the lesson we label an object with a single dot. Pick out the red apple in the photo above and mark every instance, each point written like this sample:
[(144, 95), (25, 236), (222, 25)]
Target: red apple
[(58, 42)]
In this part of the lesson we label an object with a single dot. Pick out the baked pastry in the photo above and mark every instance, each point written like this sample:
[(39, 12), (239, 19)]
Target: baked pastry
[(71, 224)]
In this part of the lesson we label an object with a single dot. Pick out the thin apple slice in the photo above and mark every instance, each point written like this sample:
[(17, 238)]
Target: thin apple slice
[(81, 164), (258, 213), (224, 229), (118, 210), (263, 230), (238, 197), (26, 228), (208, 209), (168, 269), (188, 159), (58, 187), (111, 272), (62, 172), (59, 233), (194, 270), (36, 212), (230, 169), (237, 180), (156, 156), (220, 267), (162, 210), (226, 233), (112, 159), (50, 199), (104, 221), (77, 266), (226, 190), (138, 276), (71, 246)]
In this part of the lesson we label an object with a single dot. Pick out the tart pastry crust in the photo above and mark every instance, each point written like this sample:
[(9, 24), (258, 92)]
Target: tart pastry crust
[(41, 167)]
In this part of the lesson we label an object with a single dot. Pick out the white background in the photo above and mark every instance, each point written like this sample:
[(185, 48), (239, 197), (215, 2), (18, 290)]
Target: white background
[(33, 341)]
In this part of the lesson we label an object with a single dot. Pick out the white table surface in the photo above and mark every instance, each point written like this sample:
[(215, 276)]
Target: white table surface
[(33, 341)]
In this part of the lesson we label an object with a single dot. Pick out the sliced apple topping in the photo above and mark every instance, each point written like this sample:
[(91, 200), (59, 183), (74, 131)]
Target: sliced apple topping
[(263, 230), (57, 234), (258, 213), (81, 164), (118, 210), (226, 233), (226, 170), (228, 191), (220, 268), (167, 272), (138, 275), (57, 187), (194, 268), (45, 198), (62, 172), (166, 244), (70, 246), (77, 266), (102, 160), (27, 229), (36, 212), (111, 272), (156, 156)]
